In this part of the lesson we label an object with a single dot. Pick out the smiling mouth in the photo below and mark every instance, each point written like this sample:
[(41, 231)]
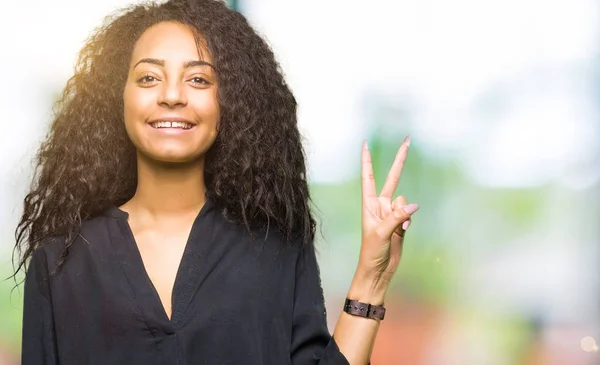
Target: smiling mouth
[(173, 125)]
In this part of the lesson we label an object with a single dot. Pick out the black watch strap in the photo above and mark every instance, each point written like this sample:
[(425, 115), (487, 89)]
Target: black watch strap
[(366, 310)]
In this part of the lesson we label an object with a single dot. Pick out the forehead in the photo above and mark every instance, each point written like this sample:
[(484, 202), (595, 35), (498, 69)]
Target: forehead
[(169, 41)]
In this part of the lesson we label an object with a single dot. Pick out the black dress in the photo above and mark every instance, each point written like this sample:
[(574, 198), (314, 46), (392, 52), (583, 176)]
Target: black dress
[(234, 301)]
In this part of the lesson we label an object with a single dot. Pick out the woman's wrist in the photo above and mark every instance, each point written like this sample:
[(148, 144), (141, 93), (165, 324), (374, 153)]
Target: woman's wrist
[(368, 288)]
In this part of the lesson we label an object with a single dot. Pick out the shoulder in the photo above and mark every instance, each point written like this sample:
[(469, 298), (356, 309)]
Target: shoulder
[(298, 251), (92, 233)]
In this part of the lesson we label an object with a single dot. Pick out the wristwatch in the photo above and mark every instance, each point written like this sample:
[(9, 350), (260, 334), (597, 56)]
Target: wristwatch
[(365, 310)]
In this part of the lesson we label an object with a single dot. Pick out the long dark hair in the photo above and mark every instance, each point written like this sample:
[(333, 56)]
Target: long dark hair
[(255, 171)]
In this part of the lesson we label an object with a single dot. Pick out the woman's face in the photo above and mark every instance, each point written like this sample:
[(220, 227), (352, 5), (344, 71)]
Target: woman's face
[(170, 97)]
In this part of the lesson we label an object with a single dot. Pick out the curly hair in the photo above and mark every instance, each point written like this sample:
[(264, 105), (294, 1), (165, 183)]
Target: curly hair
[(255, 171)]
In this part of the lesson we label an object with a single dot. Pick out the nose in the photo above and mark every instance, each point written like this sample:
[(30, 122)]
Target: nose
[(172, 95)]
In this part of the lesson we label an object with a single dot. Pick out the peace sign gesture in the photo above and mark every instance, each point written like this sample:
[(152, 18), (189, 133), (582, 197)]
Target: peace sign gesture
[(384, 222)]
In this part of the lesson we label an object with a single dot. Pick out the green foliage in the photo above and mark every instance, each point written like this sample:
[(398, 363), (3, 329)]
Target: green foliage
[(11, 310)]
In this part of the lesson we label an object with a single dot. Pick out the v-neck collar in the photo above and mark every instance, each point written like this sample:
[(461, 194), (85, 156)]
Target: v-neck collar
[(189, 274)]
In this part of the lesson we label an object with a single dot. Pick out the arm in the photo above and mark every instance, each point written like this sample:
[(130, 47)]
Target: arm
[(355, 335), (311, 341), (384, 223), (39, 347)]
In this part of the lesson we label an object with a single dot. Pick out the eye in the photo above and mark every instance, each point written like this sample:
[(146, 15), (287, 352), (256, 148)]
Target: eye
[(199, 81), (147, 79)]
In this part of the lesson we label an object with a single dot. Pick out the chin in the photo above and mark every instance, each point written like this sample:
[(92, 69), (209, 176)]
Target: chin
[(174, 158)]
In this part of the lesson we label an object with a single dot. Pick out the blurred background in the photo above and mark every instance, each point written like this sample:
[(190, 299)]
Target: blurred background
[(502, 101)]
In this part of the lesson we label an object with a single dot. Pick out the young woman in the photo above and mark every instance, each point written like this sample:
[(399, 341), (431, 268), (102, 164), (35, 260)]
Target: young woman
[(169, 220)]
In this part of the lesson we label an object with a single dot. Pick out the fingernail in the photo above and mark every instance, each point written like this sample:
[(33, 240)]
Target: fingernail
[(365, 145), (405, 225), (406, 141), (411, 208)]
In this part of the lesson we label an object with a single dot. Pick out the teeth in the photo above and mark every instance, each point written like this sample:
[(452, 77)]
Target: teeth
[(165, 124)]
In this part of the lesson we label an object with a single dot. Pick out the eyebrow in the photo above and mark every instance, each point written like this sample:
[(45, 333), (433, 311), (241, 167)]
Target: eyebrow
[(188, 64)]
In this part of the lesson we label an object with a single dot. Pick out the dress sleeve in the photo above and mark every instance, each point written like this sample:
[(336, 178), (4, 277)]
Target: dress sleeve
[(38, 339), (312, 343)]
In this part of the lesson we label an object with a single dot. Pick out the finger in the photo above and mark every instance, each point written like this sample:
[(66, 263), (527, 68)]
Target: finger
[(394, 220), (393, 177), (368, 180), (401, 201), (397, 243), (405, 225), (400, 232), (398, 203)]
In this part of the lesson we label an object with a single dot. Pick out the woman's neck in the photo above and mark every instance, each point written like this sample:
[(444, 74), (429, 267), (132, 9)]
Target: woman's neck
[(168, 188)]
